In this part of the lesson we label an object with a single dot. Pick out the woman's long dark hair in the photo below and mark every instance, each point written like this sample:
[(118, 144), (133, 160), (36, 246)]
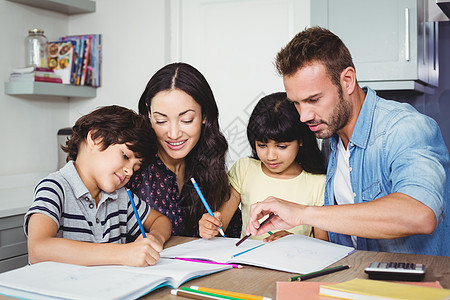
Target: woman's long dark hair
[(206, 161), (275, 118)]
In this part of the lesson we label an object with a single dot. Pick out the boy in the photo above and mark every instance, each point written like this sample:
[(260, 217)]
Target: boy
[(82, 214)]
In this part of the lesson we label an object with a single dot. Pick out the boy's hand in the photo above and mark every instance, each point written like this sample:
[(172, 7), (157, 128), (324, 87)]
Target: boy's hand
[(208, 226), (143, 252), (276, 235)]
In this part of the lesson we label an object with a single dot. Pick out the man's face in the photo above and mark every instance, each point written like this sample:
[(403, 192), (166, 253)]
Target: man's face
[(318, 101)]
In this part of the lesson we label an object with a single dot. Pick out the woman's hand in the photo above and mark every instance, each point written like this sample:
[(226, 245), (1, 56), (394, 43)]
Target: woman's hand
[(208, 226)]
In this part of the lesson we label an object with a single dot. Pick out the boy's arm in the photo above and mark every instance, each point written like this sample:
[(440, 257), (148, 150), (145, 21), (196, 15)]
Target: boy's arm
[(159, 227), (43, 245)]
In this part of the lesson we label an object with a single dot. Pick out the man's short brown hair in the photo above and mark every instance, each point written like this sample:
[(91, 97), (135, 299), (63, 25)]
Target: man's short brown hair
[(312, 45)]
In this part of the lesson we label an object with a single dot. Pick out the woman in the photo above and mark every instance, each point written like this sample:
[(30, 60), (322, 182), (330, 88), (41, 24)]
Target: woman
[(181, 108)]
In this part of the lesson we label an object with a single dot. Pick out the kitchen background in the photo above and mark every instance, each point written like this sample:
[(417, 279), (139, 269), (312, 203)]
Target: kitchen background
[(233, 43)]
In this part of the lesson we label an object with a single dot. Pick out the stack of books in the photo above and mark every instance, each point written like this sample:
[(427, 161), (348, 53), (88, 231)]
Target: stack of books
[(78, 58), (34, 74)]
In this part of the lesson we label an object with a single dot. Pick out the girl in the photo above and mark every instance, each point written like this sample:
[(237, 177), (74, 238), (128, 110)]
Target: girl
[(286, 163)]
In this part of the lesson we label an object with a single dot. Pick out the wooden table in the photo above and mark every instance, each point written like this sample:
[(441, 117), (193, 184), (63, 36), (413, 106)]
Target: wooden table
[(260, 281)]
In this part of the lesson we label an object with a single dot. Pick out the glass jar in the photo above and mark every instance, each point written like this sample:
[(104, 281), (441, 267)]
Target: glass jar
[(36, 49)]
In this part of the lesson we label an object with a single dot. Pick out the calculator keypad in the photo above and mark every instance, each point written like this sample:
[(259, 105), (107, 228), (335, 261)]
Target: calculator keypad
[(395, 271)]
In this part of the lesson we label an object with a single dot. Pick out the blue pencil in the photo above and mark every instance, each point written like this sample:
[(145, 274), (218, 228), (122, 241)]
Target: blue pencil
[(136, 213), (237, 254), (204, 202)]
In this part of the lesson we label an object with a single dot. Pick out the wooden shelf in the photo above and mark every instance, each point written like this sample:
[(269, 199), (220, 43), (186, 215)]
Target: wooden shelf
[(49, 89), (69, 7)]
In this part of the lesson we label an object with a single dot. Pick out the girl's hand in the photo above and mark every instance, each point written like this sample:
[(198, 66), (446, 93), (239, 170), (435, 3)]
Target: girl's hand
[(208, 226), (277, 235), (143, 252)]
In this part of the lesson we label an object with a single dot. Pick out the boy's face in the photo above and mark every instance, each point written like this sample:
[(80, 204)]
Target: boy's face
[(112, 168)]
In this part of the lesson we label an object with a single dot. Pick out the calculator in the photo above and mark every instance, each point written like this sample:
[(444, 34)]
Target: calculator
[(395, 271)]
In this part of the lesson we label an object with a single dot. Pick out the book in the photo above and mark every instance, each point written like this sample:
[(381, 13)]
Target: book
[(60, 59), (35, 79), (287, 290), (88, 66), (293, 253), (34, 74), (53, 280), (377, 289)]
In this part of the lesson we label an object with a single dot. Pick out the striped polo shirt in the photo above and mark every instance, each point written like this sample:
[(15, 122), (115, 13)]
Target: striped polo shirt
[(63, 197)]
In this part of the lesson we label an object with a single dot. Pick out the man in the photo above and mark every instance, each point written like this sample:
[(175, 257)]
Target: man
[(386, 176)]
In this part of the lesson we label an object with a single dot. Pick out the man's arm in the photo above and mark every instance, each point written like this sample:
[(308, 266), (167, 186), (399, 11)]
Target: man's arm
[(393, 216)]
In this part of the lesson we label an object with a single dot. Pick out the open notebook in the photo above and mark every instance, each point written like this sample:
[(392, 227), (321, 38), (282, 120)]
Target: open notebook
[(293, 253), (52, 280)]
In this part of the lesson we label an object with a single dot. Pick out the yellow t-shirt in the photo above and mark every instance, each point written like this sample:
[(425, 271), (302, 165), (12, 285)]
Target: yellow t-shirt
[(248, 179)]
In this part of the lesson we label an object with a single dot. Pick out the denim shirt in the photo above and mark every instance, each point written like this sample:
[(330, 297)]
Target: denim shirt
[(394, 148)]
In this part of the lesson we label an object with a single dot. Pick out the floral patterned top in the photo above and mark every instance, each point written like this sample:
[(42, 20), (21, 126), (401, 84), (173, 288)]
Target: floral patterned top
[(157, 185)]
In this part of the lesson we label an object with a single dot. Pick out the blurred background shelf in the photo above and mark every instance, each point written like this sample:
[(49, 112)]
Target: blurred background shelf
[(49, 89), (69, 7)]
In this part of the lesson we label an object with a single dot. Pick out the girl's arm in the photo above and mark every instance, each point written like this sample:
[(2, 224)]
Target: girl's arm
[(209, 226), (43, 245), (320, 234)]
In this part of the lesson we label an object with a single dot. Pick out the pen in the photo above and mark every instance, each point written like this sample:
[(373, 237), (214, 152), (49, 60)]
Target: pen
[(249, 235), (209, 262), (230, 294), (136, 213), (318, 273), (204, 202), (237, 254)]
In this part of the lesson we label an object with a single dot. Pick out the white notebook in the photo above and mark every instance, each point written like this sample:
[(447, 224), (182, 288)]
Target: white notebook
[(293, 253), (52, 280)]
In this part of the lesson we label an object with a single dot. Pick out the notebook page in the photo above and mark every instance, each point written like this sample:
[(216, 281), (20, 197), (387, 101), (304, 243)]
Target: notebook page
[(175, 271), (296, 254), (217, 249)]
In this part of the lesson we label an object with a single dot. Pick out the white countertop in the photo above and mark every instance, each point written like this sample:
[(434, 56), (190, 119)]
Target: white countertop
[(15, 201)]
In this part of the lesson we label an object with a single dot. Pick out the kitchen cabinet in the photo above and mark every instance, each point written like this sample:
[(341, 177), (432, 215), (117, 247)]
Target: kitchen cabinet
[(393, 45), (13, 243)]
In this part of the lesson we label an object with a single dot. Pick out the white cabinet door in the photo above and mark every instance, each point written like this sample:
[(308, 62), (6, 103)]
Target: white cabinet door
[(387, 38), (234, 44)]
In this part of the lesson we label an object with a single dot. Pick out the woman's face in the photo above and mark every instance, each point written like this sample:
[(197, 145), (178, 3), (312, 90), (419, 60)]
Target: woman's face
[(177, 120)]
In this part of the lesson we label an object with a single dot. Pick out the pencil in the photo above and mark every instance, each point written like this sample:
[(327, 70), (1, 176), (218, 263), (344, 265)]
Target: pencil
[(237, 254), (318, 273), (204, 202), (209, 262), (136, 213), (260, 225), (231, 294), (186, 289), (193, 294)]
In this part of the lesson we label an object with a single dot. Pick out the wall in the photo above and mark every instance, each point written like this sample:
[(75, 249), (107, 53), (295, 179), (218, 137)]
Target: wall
[(134, 48)]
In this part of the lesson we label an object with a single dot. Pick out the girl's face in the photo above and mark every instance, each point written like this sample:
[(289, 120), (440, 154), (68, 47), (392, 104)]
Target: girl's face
[(177, 120), (278, 158)]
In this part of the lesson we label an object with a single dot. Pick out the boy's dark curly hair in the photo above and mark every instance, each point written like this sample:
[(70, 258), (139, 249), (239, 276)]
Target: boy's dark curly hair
[(114, 125)]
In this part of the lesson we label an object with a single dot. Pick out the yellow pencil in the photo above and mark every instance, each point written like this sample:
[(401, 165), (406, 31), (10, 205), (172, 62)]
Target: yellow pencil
[(230, 294)]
